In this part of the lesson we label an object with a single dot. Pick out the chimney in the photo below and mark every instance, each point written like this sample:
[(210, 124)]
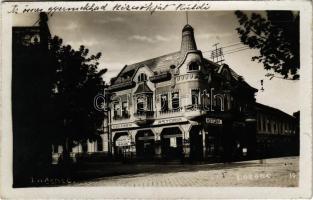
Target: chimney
[(188, 42)]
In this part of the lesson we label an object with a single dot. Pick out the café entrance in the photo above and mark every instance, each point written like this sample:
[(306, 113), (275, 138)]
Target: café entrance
[(196, 144), (145, 145), (121, 146), (172, 144)]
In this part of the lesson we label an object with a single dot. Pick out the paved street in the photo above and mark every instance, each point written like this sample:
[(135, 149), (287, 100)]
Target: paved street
[(270, 172)]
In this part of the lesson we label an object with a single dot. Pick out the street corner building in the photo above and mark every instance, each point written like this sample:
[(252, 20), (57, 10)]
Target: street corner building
[(182, 106), (179, 106)]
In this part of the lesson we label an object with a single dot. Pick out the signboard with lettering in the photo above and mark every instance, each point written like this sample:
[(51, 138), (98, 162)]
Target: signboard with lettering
[(122, 141), (123, 125), (169, 120), (214, 121)]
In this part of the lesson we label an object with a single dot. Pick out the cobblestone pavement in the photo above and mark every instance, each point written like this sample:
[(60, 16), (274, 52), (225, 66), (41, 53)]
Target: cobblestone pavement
[(281, 172)]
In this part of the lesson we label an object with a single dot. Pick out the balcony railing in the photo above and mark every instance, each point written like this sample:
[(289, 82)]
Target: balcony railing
[(169, 112), (144, 114), (193, 107), (121, 117), (144, 117)]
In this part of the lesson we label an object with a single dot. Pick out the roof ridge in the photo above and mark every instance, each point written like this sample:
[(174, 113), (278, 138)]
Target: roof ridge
[(270, 107), (155, 58)]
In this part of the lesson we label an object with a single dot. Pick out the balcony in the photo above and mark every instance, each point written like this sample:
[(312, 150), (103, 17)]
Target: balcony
[(193, 111), (160, 77), (118, 119), (144, 117), (171, 113), (122, 86), (124, 116)]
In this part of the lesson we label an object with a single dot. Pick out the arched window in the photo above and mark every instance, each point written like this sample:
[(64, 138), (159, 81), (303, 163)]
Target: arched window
[(142, 77), (193, 66)]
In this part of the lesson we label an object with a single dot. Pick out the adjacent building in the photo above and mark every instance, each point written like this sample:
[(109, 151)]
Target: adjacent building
[(277, 132), (31, 81)]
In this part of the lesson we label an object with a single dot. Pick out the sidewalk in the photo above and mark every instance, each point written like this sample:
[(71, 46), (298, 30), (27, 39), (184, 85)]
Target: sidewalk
[(268, 172)]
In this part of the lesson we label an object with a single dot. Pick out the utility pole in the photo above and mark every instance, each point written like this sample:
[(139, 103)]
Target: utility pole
[(108, 118), (217, 54)]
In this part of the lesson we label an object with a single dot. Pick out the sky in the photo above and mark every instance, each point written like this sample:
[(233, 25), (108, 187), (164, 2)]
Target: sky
[(130, 37)]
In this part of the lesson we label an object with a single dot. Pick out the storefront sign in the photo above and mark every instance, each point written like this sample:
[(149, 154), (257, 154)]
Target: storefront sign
[(169, 121), (146, 138), (173, 142), (214, 121), (125, 125), (173, 136), (122, 141)]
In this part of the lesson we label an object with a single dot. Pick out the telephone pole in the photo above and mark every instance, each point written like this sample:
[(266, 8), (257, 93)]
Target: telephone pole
[(217, 54)]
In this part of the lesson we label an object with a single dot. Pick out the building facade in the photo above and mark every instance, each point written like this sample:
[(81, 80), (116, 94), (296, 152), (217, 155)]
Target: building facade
[(181, 106), (31, 80), (277, 132)]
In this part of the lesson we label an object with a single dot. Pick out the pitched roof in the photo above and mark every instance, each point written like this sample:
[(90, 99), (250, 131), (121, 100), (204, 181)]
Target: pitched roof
[(143, 88), (161, 62), (273, 110)]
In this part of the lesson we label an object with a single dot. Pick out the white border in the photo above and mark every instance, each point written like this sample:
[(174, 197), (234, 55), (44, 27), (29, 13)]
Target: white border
[(305, 185)]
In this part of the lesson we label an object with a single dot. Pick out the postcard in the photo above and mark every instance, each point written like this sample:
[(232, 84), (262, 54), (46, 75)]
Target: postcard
[(156, 99)]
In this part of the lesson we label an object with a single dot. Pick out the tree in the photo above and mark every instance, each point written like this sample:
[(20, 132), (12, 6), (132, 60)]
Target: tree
[(276, 35), (77, 81)]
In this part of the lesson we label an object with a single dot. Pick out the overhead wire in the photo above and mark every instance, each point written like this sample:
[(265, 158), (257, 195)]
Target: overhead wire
[(230, 51)]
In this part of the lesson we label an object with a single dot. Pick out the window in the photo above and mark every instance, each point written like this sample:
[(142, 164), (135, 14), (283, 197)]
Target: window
[(274, 126), (226, 75), (206, 101), (99, 144), (175, 100), (149, 103), (164, 102), (194, 66), (269, 127), (124, 109), (140, 104), (195, 97), (259, 121), (116, 108), (142, 77)]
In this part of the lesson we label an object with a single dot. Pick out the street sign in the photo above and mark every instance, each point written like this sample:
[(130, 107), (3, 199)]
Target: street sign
[(214, 121)]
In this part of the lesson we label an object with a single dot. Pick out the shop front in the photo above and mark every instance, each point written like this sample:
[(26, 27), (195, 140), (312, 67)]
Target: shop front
[(172, 144), (145, 145), (122, 146)]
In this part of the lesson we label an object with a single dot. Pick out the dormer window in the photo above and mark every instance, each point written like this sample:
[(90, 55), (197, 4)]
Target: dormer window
[(194, 66), (142, 77), (226, 75)]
